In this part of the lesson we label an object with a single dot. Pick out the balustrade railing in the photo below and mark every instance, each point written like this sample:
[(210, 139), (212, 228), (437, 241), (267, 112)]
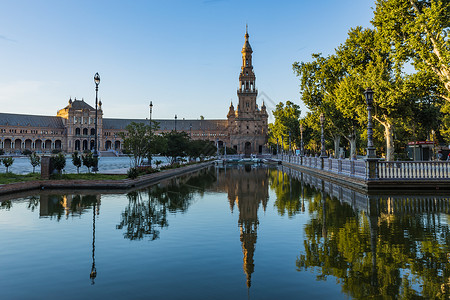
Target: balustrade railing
[(393, 170), (413, 170)]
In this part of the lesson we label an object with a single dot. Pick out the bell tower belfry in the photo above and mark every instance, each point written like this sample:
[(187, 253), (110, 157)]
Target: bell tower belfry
[(248, 123), (247, 91)]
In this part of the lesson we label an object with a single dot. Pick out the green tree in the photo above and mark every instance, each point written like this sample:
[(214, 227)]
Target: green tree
[(137, 142), (177, 145), (89, 161), (35, 160), (200, 148), (58, 161), (158, 144), (76, 161), (318, 82), (417, 30), (7, 162), (286, 125)]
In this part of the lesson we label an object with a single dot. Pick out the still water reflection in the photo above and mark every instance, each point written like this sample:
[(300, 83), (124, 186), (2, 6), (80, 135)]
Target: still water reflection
[(241, 232)]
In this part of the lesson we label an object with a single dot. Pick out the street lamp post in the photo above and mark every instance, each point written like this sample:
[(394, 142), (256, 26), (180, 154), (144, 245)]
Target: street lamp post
[(290, 150), (277, 148), (190, 130), (175, 122), (371, 151), (301, 141), (150, 154), (322, 137), (97, 82), (151, 108), (371, 158)]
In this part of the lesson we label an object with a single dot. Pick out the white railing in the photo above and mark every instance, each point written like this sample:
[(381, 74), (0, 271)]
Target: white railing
[(414, 170), (354, 168), (428, 170)]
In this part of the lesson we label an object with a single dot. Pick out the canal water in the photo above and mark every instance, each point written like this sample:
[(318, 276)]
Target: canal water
[(244, 232)]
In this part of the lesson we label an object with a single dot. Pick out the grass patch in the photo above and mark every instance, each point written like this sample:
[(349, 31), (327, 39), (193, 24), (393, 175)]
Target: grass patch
[(6, 178)]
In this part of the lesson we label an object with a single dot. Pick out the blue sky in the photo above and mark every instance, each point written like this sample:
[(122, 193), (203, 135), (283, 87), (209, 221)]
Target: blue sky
[(184, 56)]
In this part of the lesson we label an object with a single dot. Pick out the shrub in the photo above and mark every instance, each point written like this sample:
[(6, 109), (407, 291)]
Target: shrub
[(26, 152), (133, 173), (58, 162), (8, 161), (76, 160), (89, 161), (34, 160)]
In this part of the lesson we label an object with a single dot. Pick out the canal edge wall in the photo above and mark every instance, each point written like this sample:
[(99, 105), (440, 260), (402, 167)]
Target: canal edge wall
[(378, 185)]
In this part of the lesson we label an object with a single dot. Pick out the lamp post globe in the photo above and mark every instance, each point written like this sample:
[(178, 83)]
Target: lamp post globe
[(97, 82), (368, 94)]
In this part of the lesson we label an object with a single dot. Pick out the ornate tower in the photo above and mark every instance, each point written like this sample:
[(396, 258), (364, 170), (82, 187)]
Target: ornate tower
[(248, 123)]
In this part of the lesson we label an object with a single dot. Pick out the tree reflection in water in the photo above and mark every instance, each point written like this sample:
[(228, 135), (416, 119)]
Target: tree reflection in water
[(290, 193), (147, 209), (56, 205), (394, 248)]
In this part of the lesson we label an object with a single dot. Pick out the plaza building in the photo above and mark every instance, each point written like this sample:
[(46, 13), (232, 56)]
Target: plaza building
[(73, 127)]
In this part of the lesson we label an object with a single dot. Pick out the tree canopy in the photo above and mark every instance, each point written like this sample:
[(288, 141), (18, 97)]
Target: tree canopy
[(406, 33)]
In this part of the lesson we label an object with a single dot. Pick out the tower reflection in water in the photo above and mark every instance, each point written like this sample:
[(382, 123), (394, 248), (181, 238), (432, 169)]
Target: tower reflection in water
[(247, 188)]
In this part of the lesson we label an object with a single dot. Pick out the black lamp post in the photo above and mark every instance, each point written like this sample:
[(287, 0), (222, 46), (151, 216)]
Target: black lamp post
[(301, 141), (371, 151), (322, 137), (277, 147), (290, 143), (97, 82), (175, 122), (150, 154), (151, 108), (190, 130)]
